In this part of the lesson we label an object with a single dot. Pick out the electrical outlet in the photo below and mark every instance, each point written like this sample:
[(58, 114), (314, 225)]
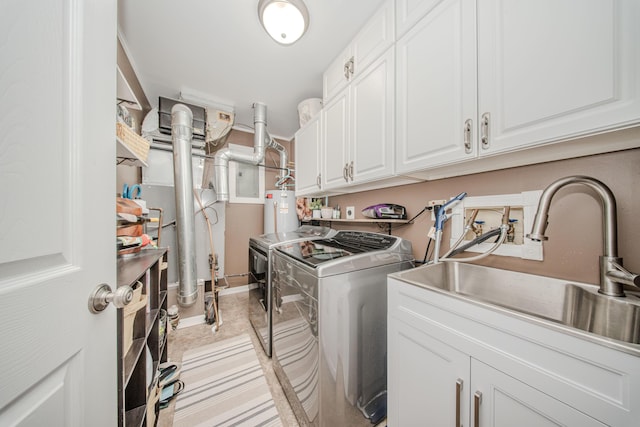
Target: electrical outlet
[(433, 203)]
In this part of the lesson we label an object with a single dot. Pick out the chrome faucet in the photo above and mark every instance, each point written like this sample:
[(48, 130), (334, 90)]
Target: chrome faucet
[(612, 274)]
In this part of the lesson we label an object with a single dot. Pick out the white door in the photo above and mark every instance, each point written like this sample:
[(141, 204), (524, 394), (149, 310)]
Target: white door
[(57, 175)]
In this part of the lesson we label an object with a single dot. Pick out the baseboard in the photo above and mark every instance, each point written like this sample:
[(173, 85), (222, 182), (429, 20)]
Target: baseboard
[(237, 289)]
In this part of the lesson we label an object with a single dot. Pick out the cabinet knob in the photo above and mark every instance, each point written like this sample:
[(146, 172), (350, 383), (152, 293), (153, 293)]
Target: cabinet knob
[(102, 296)]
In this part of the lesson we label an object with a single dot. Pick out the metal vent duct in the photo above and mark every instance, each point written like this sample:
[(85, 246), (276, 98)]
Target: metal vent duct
[(181, 135)]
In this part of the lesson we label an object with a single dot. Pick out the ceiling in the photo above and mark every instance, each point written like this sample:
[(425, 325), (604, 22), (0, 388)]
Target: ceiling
[(218, 51)]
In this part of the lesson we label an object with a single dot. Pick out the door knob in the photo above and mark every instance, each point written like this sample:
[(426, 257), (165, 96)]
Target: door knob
[(102, 296)]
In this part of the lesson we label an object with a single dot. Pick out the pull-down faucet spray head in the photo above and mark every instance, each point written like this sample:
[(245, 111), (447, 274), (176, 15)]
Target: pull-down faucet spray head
[(612, 275)]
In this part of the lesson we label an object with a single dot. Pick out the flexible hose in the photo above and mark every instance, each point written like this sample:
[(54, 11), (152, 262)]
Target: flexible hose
[(486, 236), (467, 227), (213, 272), (503, 235)]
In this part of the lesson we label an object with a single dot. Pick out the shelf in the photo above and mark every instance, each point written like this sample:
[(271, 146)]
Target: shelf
[(135, 416), (130, 146), (132, 267), (131, 358), (146, 350), (388, 223), (125, 93), (126, 156)]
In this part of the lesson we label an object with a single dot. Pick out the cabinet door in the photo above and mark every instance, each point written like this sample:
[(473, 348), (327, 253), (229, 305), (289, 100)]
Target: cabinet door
[(409, 12), (377, 35), (335, 141), (557, 69), (336, 76), (372, 119), (308, 157), (436, 88), (422, 379), (506, 402)]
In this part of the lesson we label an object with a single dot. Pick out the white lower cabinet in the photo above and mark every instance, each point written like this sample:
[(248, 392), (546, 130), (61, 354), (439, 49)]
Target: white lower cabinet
[(499, 400), (426, 379), (433, 384), (454, 363)]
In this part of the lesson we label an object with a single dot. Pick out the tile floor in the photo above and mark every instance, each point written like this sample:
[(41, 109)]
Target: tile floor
[(233, 312)]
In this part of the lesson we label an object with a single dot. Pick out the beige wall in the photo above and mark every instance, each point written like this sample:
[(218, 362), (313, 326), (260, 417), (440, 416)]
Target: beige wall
[(246, 220), (575, 221)]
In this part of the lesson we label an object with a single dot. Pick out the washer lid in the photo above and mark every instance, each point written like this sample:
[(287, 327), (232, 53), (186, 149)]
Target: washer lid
[(314, 252), (343, 244)]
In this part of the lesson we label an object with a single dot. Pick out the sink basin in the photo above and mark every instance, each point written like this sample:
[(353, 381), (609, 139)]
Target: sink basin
[(577, 306)]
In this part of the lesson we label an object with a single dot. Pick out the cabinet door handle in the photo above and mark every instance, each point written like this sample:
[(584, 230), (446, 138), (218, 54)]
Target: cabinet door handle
[(352, 66), (484, 129), (459, 384), (477, 400), (468, 126), (345, 172), (319, 180), (351, 170), (348, 68)]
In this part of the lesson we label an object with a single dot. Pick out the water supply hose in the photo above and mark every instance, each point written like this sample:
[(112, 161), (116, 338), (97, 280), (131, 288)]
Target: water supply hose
[(503, 235), (504, 230)]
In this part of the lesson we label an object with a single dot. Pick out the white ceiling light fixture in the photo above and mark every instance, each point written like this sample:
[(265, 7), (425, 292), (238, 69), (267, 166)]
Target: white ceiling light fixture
[(285, 20)]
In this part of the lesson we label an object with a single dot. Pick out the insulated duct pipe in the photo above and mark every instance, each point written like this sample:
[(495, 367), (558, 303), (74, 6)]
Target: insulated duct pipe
[(181, 134), (261, 140)]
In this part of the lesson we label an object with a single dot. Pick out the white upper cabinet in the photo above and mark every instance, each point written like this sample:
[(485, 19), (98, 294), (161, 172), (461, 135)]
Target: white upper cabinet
[(491, 77), (372, 40), (372, 116), (409, 12), (436, 88), (307, 156), (358, 128), (556, 69), (335, 141)]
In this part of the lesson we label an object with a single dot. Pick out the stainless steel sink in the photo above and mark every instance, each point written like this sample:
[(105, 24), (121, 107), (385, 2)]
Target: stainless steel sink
[(578, 306)]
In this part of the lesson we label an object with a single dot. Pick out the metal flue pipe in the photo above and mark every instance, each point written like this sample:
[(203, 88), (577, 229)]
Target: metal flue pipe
[(181, 134), (261, 140)]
